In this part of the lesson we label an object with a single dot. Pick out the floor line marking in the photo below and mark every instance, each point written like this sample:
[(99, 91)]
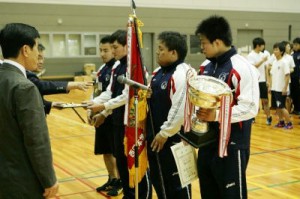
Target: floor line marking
[(272, 190), (79, 179), (271, 173)]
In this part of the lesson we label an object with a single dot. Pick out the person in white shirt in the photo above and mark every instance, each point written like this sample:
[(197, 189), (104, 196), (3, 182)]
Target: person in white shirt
[(290, 61), (257, 58), (279, 81)]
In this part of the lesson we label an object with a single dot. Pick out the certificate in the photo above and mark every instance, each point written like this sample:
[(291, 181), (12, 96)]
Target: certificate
[(69, 105), (185, 158)]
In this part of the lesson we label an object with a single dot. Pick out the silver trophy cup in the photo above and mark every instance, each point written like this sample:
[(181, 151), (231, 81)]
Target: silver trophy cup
[(203, 92)]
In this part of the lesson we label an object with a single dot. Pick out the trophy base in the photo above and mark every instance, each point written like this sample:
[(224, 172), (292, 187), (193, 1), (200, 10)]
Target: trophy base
[(198, 140)]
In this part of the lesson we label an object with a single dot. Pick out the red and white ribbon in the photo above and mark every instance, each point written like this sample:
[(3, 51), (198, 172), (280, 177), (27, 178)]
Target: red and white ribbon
[(188, 111), (189, 107), (225, 124)]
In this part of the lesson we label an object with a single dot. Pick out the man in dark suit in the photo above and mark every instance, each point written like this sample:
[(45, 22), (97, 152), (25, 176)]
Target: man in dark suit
[(25, 154), (52, 87)]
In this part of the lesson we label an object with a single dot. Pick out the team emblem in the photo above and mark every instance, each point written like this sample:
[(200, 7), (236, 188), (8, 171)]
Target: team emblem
[(164, 85), (107, 77), (223, 76)]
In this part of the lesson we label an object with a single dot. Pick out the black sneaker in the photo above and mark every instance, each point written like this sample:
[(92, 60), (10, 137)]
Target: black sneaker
[(269, 120), (116, 188), (106, 187), (280, 124)]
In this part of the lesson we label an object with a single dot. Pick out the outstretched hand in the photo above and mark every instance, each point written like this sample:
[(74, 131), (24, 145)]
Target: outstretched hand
[(79, 85)]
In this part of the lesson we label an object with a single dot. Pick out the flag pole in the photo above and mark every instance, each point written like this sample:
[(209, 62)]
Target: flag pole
[(141, 59), (136, 147), (138, 39)]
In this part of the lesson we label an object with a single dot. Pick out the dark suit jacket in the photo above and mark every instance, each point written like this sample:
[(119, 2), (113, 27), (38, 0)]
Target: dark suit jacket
[(47, 88), (26, 166)]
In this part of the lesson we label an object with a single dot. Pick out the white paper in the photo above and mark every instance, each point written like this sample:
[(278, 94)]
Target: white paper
[(185, 158), (70, 105)]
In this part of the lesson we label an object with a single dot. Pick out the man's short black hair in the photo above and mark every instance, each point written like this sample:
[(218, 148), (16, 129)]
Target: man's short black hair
[(215, 27), (296, 40), (120, 36), (280, 46), (258, 41), (106, 39), (174, 41), (15, 35)]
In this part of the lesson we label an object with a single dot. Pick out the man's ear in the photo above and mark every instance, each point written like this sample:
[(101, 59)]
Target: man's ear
[(218, 42), (174, 53), (25, 50)]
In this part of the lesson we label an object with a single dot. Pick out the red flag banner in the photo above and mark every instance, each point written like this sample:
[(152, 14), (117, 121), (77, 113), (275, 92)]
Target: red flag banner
[(135, 71)]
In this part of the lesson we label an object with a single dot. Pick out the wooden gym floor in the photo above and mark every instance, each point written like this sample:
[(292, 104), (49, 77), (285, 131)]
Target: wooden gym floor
[(273, 171)]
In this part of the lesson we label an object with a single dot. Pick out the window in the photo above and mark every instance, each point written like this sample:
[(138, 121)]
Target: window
[(59, 45), (71, 44), (74, 45), (90, 45)]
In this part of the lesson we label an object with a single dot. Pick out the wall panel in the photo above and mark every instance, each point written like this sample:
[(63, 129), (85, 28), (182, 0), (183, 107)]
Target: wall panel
[(85, 18)]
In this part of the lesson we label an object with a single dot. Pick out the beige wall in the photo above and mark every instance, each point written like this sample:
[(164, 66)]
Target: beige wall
[(286, 6), (79, 18)]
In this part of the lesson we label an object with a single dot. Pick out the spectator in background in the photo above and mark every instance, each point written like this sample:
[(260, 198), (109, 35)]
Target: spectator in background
[(279, 86), (257, 58), (295, 77), (290, 61)]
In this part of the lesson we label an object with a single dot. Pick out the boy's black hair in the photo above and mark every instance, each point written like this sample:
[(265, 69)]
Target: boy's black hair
[(280, 46), (174, 41), (296, 40), (120, 36), (215, 27), (105, 39), (258, 41)]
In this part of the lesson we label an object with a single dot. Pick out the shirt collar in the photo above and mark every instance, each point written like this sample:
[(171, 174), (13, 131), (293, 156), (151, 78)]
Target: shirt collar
[(16, 64), (224, 57), (111, 62)]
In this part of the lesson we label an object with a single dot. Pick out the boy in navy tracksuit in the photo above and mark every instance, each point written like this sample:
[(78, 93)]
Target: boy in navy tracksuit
[(166, 104), (226, 177)]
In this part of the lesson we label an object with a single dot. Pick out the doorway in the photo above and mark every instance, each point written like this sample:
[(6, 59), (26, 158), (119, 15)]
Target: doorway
[(244, 40)]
